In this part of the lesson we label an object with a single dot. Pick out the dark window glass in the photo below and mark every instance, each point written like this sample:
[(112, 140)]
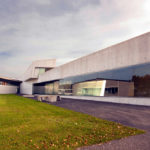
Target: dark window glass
[(111, 90)]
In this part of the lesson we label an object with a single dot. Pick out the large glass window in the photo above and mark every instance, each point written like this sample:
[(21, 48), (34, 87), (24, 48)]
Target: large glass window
[(56, 87), (65, 89), (39, 89), (89, 88), (3, 83), (49, 88)]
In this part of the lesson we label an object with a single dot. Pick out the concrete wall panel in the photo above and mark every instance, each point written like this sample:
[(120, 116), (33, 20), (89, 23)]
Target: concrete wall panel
[(53, 74), (26, 88), (31, 72), (131, 52), (8, 89)]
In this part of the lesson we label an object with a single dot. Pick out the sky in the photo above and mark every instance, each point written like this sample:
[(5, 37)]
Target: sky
[(64, 29)]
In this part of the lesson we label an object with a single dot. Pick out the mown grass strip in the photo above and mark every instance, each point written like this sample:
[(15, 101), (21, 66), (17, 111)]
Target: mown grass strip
[(28, 124)]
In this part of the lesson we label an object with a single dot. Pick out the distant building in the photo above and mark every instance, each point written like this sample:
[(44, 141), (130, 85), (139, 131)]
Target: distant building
[(119, 70), (9, 85)]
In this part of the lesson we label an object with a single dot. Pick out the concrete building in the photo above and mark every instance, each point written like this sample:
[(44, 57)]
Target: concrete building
[(9, 86), (119, 70), (33, 72)]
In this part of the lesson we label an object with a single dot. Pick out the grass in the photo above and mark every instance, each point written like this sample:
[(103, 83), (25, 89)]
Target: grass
[(28, 124)]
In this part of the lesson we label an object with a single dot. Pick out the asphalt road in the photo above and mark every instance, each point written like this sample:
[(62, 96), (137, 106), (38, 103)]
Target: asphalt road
[(130, 115)]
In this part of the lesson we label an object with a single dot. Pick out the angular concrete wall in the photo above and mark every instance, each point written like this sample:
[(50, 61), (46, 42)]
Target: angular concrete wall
[(131, 52), (8, 89), (26, 88), (31, 71)]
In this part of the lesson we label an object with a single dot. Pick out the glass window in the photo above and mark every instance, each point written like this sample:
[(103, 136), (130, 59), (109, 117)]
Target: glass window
[(49, 88), (111, 90), (3, 83), (89, 88), (65, 89), (39, 71), (56, 87)]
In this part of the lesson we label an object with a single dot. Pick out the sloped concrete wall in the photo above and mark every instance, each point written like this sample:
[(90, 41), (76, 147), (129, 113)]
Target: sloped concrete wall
[(131, 52), (8, 89), (31, 72)]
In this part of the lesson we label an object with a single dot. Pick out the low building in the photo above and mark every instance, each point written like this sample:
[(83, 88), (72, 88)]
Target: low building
[(9, 86)]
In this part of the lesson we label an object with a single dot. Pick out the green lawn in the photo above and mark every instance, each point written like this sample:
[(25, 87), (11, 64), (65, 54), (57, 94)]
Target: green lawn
[(28, 124)]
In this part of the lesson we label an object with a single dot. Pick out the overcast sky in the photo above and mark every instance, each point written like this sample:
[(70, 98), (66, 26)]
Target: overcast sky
[(65, 29)]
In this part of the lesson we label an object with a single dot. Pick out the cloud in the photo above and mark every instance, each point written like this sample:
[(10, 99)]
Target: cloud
[(64, 29)]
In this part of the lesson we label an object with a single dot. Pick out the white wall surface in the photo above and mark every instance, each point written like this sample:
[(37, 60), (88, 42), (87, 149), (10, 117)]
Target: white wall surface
[(26, 88), (31, 71), (122, 100), (5, 89), (131, 52)]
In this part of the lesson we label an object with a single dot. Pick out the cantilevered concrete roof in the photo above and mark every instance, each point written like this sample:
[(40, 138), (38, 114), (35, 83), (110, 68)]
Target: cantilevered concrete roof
[(133, 52), (31, 73), (10, 79)]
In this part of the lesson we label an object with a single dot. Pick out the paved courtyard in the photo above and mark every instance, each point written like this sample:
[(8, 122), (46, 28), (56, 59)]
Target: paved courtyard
[(130, 115)]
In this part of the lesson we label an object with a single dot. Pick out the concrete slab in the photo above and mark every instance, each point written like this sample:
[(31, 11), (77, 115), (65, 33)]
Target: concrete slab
[(48, 98), (120, 100)]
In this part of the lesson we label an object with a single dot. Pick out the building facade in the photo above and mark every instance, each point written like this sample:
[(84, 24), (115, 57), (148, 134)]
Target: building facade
[(9, 86), (33, 72), (119, 70)]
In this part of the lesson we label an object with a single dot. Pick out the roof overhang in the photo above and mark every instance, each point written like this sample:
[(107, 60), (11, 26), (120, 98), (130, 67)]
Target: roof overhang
[(10, 80), (30, 79)]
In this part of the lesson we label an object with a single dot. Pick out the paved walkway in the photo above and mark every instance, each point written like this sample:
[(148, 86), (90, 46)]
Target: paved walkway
[(134, 116)]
